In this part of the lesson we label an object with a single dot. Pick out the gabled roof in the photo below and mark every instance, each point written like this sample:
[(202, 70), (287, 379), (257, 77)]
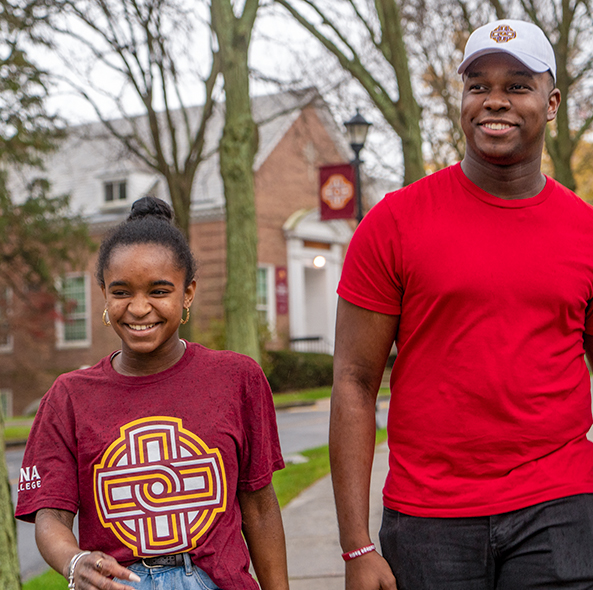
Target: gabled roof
[(90, 156)]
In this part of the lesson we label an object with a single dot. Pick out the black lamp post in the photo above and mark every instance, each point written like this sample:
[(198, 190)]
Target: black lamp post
[(357, 129)]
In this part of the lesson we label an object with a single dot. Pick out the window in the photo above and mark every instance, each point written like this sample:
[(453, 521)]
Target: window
[(265, 301), (6, 402), (6, 341), (73, 327), (115, 191)]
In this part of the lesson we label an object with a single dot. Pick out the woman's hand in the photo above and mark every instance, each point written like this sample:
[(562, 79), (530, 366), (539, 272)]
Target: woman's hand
[(95, 570), (58, 546)]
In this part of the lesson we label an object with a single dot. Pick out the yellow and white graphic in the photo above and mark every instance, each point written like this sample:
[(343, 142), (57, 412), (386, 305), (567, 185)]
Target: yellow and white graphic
[(159, 487)]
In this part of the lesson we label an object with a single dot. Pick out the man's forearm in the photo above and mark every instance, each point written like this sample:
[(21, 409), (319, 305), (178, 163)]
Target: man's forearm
[(351, 445)]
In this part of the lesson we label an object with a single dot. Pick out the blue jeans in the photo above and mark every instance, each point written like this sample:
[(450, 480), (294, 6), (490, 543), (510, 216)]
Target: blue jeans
[(547, 546), (187, 577)]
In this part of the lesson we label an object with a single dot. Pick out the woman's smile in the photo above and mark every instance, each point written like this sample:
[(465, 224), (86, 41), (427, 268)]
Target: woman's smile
[(145, 294)]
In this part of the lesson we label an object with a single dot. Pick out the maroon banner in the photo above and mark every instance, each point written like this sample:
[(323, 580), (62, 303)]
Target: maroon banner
[(337, 192), (281, 290)]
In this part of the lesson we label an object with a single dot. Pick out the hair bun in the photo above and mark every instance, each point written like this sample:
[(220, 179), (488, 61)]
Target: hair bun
[(150, 206)]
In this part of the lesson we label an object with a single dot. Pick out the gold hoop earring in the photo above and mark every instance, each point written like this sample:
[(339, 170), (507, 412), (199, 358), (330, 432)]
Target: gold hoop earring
[(184, 321), (105, 318)]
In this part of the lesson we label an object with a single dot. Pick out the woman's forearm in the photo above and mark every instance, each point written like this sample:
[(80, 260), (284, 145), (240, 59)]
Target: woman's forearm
[(55, 539), (264, 533)]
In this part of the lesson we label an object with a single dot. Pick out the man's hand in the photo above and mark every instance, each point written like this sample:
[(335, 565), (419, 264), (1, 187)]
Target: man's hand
[(369, 572)]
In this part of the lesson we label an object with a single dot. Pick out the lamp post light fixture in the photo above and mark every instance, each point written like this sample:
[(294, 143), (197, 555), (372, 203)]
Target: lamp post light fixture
[(319, 261), (357, 129)]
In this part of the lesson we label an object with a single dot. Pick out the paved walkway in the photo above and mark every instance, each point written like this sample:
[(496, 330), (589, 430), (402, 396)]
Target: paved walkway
[(314, 554)]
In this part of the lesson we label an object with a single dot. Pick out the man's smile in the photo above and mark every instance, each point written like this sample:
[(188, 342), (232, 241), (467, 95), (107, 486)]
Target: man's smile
[(497, 126)]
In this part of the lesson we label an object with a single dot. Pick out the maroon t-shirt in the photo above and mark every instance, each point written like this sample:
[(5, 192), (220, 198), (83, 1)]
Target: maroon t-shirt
[(153, 464)]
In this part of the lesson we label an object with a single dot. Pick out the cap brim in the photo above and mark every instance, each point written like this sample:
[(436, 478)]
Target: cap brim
[(533, 64)]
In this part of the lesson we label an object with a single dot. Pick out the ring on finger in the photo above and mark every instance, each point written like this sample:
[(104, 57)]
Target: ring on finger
[(99, 564)]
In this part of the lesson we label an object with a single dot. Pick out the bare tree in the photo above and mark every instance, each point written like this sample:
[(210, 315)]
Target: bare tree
[(569, 26), (368, 39), (144, 45)]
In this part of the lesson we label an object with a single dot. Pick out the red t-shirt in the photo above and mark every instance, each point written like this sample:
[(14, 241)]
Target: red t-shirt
[(153, 464), (491, 399)]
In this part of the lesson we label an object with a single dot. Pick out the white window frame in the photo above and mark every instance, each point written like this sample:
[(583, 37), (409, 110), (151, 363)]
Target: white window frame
[(61, 342), (270, 308), (117, 202), (8, 346)]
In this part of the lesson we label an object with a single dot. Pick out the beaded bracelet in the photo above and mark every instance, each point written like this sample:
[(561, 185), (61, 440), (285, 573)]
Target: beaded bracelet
[(71, 567), (358, 552)]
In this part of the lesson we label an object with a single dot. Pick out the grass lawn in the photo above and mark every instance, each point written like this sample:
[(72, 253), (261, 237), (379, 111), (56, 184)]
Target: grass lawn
[(288, 483), (296, 477), (307, 395), (17, 432), (50, 580), (304, 395)]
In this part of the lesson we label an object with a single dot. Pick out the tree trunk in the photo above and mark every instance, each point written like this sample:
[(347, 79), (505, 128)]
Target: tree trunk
[(10, 578), (237, 150), (412, 152), (408, 113), (560, 151), (180, 192), (561, 146)]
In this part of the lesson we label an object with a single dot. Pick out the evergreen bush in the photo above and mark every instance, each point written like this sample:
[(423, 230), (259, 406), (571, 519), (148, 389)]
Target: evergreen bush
[(287, 370)]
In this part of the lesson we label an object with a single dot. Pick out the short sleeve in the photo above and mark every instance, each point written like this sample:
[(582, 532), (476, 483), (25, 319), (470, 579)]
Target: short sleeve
[(260, 452), (49, 476), (371, 277)]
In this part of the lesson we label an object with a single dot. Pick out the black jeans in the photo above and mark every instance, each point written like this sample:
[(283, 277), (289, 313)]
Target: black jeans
[(549, 545)]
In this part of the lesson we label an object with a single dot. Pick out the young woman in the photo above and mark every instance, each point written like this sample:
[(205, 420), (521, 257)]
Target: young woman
[(165, 449)]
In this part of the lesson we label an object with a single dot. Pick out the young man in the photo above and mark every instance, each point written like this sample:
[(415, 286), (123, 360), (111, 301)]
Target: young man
[(482, 273)]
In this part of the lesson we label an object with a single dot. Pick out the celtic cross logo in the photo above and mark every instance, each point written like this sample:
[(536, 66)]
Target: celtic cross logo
[(159, 487), (337, 191), (503, 34)]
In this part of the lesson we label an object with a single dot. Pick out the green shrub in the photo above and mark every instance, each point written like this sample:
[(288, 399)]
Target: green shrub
[(288, 371)]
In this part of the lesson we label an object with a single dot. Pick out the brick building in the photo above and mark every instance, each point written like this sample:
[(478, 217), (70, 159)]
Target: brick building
[(296, 297)]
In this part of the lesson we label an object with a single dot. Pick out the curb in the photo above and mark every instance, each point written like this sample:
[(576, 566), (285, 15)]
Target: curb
[(296, 404)]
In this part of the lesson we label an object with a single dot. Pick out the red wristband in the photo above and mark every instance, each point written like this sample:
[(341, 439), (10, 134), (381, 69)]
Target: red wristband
[(358, 552)]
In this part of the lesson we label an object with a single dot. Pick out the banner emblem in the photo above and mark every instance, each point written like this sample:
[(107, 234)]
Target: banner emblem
[(336, 191)]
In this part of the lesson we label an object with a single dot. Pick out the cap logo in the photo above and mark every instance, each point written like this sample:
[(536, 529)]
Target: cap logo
[(503, 34)]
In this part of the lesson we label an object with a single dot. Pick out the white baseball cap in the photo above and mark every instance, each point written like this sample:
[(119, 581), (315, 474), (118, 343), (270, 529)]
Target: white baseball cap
[(524, 41)]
